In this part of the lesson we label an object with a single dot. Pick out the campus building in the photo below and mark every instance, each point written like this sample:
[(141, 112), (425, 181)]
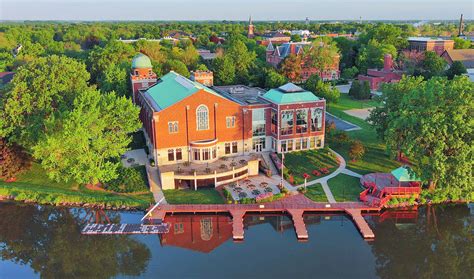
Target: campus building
[(387, 74), (437, 45), (276, 54), (202, 135)]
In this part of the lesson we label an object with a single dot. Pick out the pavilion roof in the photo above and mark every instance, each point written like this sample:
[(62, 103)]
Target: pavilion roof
[(404, 174)]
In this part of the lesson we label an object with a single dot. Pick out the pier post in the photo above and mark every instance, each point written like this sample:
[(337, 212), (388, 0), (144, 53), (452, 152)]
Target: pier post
[(237, 224), (300, 226)]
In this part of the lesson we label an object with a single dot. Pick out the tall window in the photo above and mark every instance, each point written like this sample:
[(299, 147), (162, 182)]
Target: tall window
[(202, 118), (274, 122), (227, 148), (179, 154), (316, 119), (286, 122), (258, 122), (234, 147), (230, 121), (173, 127), (170, 155), (301, 121)]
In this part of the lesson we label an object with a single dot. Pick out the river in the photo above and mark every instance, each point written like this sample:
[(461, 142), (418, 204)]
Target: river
[(430, 242)]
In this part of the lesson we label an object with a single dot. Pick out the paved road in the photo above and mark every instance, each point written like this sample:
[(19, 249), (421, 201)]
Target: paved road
[(341, 124)]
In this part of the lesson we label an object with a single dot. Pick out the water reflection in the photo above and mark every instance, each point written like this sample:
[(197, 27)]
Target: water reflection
[(431, 242), (47, 239)]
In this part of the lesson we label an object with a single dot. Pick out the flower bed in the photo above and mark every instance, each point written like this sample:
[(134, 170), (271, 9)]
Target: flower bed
[(263, 196)]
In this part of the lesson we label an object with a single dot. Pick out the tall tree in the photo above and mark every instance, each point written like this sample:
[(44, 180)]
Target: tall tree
[(322, 89), (432, 65), (456, 69), (372, 55), (242, 58), (39, 91), (84, 144), (321, 55), (224, 70), (291, 68), (115, 78)]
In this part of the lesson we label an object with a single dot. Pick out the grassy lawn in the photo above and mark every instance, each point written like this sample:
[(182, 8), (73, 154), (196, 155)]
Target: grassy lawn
[(316, 193), (298, 163), (345, 187), (35, 185), (375, 158), (188, 196)]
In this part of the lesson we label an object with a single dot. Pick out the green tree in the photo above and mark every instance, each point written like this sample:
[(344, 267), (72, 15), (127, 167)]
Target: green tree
[(39, 91), (291, 68), (360, 90), (387, 34), (456, 69), (322, 89), (321, 55), (432, 65), (435, 118), (274, 79), (177, 66), (241, 57), (224, 70), (460, 43), (350, 73), (113, 53), (84, 145), (372, 55), (115, 78), (296, 38)]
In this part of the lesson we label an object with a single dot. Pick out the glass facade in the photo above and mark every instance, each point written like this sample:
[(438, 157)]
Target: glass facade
[(301, 121), (286, 122), (316, 119), (258, 122)]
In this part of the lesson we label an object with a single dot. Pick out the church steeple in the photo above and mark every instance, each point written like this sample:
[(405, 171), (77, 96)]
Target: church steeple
[(461, 27), (250, 33)]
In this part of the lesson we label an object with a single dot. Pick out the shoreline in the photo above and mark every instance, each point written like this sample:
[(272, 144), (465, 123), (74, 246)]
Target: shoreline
[(134, 208)]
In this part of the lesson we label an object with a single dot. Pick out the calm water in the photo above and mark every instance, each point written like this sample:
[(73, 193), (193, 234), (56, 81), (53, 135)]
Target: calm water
[(435, 242)]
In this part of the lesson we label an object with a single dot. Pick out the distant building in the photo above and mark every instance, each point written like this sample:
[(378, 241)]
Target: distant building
[(274, 37), (275, 55), (465, 56), (203, 77), (207, 55), (437, 45), (250, 31), (190, 125), (376, 77)]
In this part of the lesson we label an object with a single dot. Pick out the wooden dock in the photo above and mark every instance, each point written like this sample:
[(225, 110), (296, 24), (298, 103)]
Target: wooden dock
[(94, 229), (295, 206)]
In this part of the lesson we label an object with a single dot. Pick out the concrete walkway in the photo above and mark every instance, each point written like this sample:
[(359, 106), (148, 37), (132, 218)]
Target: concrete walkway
[(155, 186)]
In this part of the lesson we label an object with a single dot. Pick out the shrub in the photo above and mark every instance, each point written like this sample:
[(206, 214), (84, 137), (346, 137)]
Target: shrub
[(13, 159), (129, 180)]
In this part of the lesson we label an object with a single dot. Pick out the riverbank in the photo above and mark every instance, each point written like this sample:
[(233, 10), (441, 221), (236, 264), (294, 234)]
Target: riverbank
[(33, 186)]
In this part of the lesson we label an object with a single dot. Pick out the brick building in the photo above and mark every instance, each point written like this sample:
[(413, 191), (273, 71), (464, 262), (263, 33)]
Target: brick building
[(430, 44), (388, 74), (190, 125), (276, 54)]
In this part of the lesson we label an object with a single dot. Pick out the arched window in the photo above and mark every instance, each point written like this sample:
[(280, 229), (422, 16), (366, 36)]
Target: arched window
[(202, 118)]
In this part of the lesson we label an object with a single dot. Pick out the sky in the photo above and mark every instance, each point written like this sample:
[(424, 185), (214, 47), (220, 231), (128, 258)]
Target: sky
[(235, 9)]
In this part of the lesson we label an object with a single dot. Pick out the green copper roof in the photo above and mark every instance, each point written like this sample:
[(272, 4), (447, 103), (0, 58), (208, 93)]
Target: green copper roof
[(288, 94), (172, 88), (141, 61), (404, 174)]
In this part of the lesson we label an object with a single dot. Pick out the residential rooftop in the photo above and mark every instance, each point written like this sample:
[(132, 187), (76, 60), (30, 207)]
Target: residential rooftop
[(427, 39), (290, 93)]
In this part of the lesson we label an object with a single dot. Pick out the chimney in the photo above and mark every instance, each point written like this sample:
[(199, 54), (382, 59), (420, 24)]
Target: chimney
[(204, 77), (387, 62)]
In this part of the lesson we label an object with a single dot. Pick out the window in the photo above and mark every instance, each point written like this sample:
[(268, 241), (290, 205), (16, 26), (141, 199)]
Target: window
[(227, 148), (290, 145), (258, 144), (283, 146), (197, 154), (258, 129), (319, 143), (230, 121), (274, 115), (234, 147), (170, 155), (202, 118), (179, 154), (304, 143), (214, 153), (312, 142), (178, 228), (206, 154), (286, 122), (136, 72), (173, 127), (298, 144), (301, 121), (258, 122), (316, 119)]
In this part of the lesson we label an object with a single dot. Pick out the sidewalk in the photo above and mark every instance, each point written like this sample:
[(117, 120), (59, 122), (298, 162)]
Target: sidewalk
[(155, 186)]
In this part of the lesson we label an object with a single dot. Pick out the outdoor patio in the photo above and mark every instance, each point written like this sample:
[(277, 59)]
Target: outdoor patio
[(252, 187), (223, 164), (134, 158)]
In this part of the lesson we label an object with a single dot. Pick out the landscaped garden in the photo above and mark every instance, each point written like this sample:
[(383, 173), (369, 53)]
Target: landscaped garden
[(188, 196), (314, 163), (316, 193), (34, 185), (375, 158), (345, 187)]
